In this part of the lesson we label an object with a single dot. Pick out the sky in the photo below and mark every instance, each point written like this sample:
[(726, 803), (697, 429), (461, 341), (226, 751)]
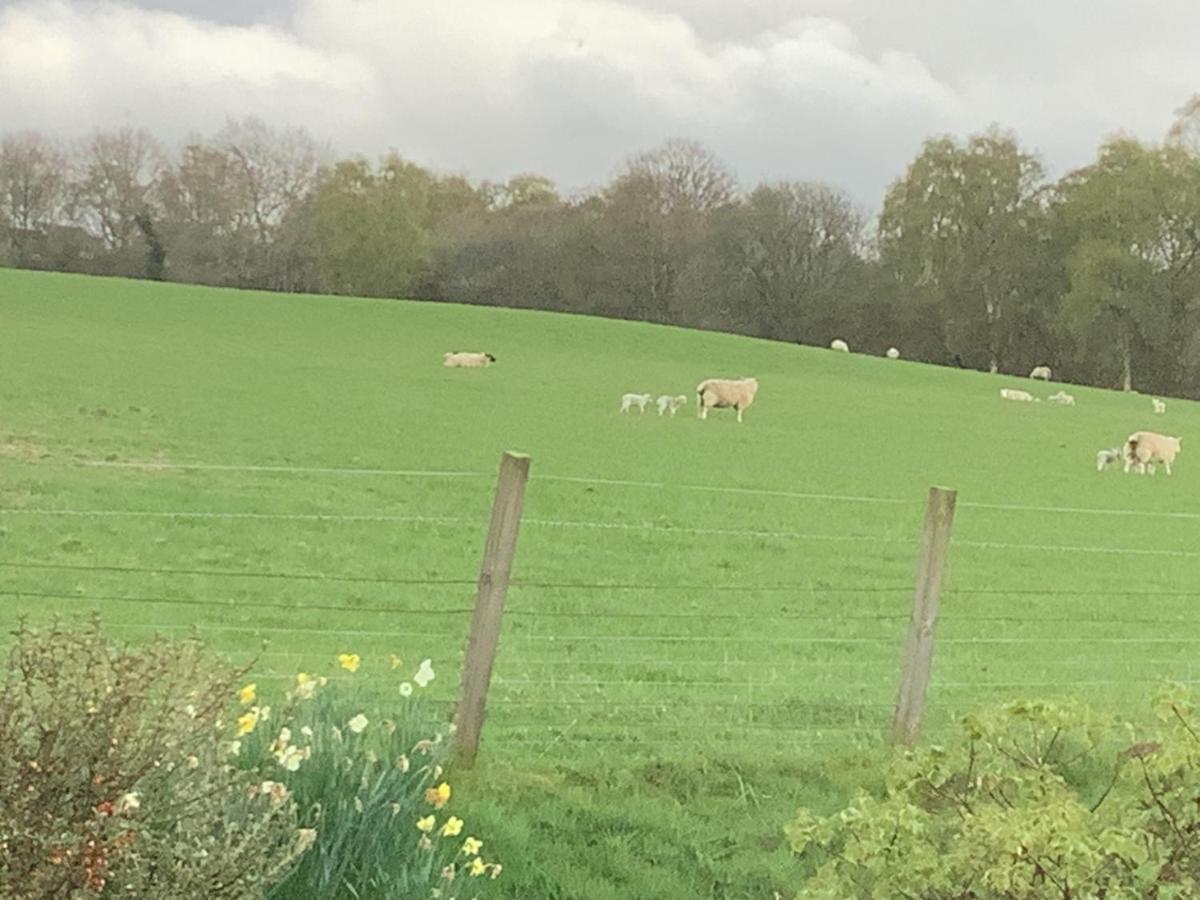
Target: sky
[(840, 91)]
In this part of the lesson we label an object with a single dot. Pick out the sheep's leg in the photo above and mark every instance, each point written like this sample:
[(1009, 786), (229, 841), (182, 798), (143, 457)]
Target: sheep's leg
[(739, 412), (1167, 466)]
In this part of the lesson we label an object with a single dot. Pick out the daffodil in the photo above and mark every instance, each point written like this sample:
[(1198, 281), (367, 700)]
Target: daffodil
[(402, 763), (129, 802), (246, 723), (496, 870), (424, 673), (439, 796), (248, 694), (305, 838), (291, 757), (357, 724), (453, 827), (448, 872), (426, 824), (233, 748), (396, 662), (306, 686), (406, 689), (349, 661), (478, 867), (471, 846)]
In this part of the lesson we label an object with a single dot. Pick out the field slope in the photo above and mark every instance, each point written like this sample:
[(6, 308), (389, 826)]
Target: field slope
[(708, 618)]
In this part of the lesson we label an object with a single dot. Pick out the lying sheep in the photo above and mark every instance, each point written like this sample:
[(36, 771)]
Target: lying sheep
[(638, 400), (667, 402), (459, 360), (1010, 394), (841, 345), (1062, 397), (893, 353), (1160, 406), (1105, 458), (1145, 448), (721, 393), (1042, 372)]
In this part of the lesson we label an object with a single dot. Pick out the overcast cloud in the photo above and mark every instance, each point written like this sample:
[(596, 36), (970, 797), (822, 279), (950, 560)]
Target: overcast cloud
[(842, 91)]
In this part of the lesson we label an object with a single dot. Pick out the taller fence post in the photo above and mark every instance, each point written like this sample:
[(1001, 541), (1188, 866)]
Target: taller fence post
[(918, 649), (498, 552)]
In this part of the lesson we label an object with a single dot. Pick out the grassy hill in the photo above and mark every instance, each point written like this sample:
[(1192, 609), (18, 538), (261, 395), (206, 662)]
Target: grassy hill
[(707, 626)]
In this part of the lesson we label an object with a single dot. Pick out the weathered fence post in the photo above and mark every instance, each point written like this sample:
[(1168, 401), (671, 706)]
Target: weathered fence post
[(918, 649), (494, 573)]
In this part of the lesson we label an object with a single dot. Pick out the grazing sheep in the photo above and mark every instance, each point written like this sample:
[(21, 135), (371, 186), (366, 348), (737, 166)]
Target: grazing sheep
[(459, 360), (893, 353), (1160, 406), (1105, 458), (1063, 398), (841, 345), (722, 392), (1042, 372), (1010, 394), (638, 400), (1145, 448), (667, 402)]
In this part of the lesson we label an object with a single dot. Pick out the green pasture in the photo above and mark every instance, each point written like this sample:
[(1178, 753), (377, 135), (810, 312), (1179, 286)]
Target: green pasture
[(708, 618)]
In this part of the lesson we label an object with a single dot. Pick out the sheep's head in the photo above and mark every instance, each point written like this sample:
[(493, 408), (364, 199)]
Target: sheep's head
[(490, 357)]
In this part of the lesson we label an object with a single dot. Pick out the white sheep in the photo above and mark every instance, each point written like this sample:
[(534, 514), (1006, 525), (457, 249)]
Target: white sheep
[(1145, 448), (893, 353), (1042, 372), (631, 400), (841, 345), (1063, 398), (724, 392), (459, 360), (1010, 394), (667, 402), (1160, 406), (1105, 458)]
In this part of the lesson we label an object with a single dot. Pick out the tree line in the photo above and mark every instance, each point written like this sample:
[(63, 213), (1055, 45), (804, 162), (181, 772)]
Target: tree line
[(976, 259)]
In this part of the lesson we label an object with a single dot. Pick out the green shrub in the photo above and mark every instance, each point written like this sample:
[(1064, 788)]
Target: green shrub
[(1033, 800), (115, 775)]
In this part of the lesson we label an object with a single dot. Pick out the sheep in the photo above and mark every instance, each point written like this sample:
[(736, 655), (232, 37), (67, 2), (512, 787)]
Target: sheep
[(723, 392), (1145, 448), (1062, 397), (1042, 372), (893, 353), (458, 360), (667, 402), (1105, 458), (1009, 394), (1160, 406), (638, 400), (841, 345)]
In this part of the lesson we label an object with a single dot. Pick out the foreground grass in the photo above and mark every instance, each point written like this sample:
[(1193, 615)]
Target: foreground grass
[(680, 666)]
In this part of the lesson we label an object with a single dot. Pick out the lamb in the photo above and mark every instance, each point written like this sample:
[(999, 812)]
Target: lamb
[(1145, 448), (458, 360), (638, 400), (1062, 397), (722, 393), (1160, 406), (893, 353), (1105, 458), (1042, 372), (1010, 394), (841, 345), (667, 402)]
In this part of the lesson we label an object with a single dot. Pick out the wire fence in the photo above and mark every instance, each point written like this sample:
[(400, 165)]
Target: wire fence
[(769, 640)]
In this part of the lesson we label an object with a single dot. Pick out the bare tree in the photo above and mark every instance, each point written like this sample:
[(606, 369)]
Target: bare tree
[(33, 182), (116, 175)]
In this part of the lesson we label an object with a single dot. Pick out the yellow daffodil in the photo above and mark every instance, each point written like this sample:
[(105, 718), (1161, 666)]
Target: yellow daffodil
[(357, 724), (453, 827), (246, 723), (439, 796), (426, 824), (396, 661), (349, 661), (471, 846), (248, 694), (478, 867)]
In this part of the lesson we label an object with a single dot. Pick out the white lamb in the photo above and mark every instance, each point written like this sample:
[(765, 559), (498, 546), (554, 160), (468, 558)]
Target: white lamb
[(667, 402), (722, 393), (1160, 406), (1145, 448), (1010, 394), (1062, 397), (631, 400), (467, 360), (1105, 458), (893, 353), (841, 345), (1042, 372)]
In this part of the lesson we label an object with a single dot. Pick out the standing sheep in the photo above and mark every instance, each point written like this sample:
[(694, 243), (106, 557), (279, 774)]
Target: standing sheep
[(721, 393), (631, 400), (1160, 406), (667, 402), (1042, 372), (1145, 448)]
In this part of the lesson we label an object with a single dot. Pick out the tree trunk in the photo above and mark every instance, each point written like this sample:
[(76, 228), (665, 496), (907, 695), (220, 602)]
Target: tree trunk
[(1126, 365)]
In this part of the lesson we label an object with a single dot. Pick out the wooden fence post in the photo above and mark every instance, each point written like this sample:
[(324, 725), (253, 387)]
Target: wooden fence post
[(494, 573), (918, 649)]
